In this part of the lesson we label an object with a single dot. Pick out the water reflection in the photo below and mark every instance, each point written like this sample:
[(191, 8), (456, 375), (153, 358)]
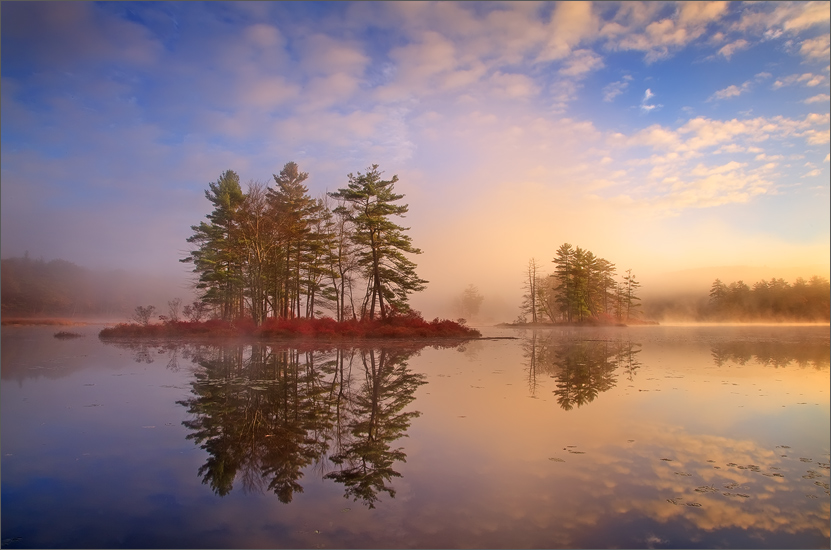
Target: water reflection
[(772, 353), (373, 418), (582, 369), (674, 450), (265, 414)]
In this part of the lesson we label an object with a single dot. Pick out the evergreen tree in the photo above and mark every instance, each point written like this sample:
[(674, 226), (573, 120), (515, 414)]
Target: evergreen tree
[(630, 288), (382, 244), (564, 260), (294, 211), (216, 256)]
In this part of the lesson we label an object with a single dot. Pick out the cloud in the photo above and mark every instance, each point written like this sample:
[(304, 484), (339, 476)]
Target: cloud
[(730, 91), (614, 89), (679, 175), (806, 79), (818, 48), (572, 23), (264, 36), (513, 85), (728, 50), (634, 28), (460, 97), (325, 55), (66, 36), (646, 107), (581, 62), (764, 17), (267, 93), (818, 98)]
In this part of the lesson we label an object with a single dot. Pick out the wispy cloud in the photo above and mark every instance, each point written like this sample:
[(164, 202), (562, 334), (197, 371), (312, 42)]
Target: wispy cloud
[(819, 98), (614, 89), (817, 48), (805, 79), (730, 91), (728, 50)]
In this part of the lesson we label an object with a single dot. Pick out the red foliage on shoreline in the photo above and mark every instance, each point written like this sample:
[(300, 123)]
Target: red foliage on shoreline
[(326, 328)]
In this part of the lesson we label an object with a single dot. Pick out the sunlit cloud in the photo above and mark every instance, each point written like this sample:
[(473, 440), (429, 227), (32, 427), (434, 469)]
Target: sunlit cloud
[(806, 79), (633, 28), (730, 91), (646, 107), (818, 98), (772, 18), (728, 50), (816, 48), (461, 100)]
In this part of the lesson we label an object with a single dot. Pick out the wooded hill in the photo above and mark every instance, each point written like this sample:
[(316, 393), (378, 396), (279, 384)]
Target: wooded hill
[(59, 288)]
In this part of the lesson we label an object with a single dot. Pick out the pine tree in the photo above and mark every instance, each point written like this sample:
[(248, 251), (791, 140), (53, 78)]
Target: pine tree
[(390, 274), (564, 260), (630, 287), (294, 211), (216, 256)]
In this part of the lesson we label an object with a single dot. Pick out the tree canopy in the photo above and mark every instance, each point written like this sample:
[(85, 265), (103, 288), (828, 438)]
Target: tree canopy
[(276, 251), (582, 288)]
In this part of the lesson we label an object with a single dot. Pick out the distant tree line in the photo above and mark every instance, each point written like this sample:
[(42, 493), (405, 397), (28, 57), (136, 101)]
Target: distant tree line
[(770, 300), (581, 288), (35, 287), (276, 251)]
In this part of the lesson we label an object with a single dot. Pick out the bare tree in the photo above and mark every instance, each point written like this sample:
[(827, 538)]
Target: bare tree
[(529, 299), (142, 314), (173, 307)]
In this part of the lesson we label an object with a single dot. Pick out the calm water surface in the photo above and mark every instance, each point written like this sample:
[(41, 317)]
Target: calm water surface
[(579, 438)]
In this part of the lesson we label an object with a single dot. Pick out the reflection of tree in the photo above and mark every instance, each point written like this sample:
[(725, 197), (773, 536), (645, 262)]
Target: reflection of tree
[(529, 348), (772, 353), (254, 409), (377, 419), (143, 352), (265, 414), (582, 369)]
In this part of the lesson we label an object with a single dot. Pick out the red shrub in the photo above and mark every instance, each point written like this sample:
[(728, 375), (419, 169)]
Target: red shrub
[(411, 325)]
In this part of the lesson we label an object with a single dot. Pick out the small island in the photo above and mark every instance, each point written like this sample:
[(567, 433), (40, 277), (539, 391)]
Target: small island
[(582, 291), (324, 328), (271, 260)]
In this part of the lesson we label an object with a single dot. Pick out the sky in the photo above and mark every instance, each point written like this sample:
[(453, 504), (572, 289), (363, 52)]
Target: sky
[(663, 137)]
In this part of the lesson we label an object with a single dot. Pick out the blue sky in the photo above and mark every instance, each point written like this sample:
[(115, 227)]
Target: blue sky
[(661, 136)]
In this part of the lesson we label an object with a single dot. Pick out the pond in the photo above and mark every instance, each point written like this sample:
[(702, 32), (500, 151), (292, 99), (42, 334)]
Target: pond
[(645, 437)]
